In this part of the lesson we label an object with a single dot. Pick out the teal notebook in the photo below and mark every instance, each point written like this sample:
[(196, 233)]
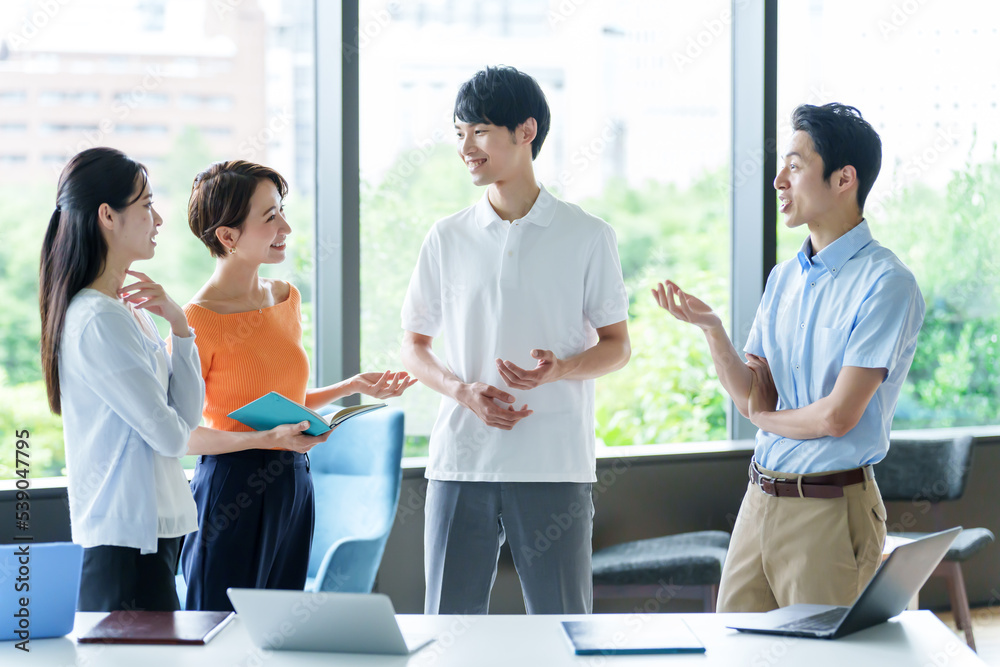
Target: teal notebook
[(616, 634), (273, 409)]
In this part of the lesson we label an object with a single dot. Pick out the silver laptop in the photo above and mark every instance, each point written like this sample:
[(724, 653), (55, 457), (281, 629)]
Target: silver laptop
[(328, 622), (895, 583)]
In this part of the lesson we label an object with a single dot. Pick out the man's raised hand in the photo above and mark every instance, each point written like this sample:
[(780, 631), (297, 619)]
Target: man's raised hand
[(685, 307)]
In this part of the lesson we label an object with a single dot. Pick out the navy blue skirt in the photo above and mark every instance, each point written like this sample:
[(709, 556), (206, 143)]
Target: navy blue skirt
[(256, 512)]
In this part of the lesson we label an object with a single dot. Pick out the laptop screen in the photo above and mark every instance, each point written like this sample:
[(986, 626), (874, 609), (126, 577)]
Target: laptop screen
[(40, 584)]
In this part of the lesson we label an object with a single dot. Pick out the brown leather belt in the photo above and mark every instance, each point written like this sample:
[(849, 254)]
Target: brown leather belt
[(814, 486)]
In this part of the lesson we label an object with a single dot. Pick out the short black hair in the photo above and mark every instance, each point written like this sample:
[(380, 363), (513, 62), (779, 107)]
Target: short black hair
[(842, 137), (220, 197), (506, 97)]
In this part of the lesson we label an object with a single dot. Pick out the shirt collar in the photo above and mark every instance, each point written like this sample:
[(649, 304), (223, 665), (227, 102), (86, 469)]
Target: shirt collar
[(540, 214), (837, 254)]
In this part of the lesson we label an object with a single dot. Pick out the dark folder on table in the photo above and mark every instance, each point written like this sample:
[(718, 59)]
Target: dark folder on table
[(157, 627), (631, 633)]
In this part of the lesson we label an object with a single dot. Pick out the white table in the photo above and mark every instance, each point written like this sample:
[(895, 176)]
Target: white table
[(915, 638)]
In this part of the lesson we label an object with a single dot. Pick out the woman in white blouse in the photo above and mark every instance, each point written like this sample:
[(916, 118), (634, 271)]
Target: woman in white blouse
[(128, 405)]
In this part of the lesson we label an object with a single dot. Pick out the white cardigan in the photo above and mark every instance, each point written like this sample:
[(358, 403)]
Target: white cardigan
[(117, 415)]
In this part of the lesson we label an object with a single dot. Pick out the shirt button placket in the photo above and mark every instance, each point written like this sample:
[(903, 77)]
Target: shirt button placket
[(508, 260)]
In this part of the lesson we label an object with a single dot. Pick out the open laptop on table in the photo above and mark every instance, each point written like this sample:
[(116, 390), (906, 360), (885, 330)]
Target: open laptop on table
[(47, 577), (895, 583), (330, 622)]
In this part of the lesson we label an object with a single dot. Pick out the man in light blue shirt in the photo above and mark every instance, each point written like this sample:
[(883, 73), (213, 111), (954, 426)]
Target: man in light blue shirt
[(831, 344)]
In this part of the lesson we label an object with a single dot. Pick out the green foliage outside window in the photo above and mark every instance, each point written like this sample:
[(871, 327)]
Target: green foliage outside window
[(668, 392), (950, 240)]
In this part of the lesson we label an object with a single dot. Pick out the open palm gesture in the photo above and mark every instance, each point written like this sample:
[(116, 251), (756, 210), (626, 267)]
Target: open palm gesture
[(685, 307)]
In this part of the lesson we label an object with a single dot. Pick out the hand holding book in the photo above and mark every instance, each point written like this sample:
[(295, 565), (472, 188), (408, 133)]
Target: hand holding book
[(273, 410), (291, 437)]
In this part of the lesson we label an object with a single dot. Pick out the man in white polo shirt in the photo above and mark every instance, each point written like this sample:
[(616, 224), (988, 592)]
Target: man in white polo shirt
[(527, 293)]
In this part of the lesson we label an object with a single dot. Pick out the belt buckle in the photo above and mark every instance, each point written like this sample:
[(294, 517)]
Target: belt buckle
[(765, 479)]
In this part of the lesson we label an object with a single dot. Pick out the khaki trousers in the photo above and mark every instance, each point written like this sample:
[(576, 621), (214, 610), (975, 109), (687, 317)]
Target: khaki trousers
[(802, 550)]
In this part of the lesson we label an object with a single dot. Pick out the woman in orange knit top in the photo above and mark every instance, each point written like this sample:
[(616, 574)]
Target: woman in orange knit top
[(253, 488)]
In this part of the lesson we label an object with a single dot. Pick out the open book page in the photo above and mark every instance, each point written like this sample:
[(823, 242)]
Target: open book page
[(345, 414)]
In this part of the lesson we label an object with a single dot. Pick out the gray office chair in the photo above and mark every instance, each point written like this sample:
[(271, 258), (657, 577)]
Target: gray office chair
[(663, 568), (932, 471)]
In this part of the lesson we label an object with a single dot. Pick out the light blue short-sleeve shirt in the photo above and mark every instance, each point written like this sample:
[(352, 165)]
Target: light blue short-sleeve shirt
[(854, 303)]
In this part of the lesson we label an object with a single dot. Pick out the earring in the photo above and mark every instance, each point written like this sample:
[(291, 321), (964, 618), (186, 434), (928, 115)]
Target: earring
[(232, 251)]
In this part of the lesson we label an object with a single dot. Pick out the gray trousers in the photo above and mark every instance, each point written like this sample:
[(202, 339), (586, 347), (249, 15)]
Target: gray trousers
[(550, 526)]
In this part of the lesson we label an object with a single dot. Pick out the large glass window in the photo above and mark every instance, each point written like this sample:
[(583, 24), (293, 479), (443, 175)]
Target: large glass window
[(640, 99), (175, 84), (921, 73)]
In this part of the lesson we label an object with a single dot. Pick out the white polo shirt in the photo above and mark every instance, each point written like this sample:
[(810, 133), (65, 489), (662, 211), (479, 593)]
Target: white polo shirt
[(496, 290)]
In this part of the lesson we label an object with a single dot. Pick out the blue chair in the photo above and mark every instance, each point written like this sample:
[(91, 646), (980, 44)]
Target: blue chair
[(356, 475)]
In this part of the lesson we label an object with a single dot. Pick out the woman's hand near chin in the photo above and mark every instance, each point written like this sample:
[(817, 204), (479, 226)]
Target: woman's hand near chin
[(150, 295)]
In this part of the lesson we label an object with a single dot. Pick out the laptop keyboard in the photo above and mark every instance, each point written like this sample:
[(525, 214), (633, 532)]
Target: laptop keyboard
[(826, 620)]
